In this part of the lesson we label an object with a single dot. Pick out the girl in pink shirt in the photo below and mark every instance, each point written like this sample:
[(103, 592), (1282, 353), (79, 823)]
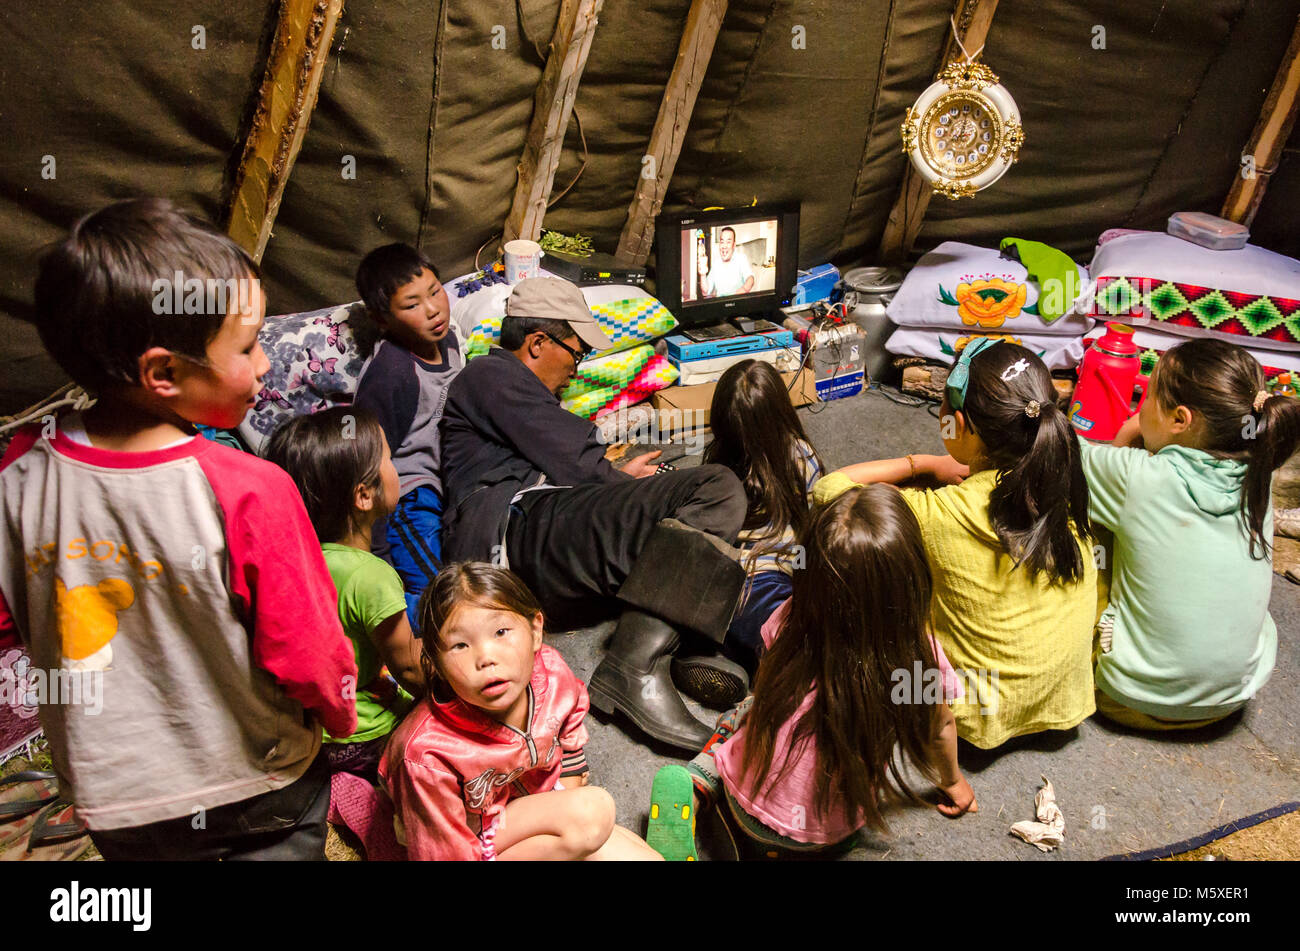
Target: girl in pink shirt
[(491, 765), (850, 672)]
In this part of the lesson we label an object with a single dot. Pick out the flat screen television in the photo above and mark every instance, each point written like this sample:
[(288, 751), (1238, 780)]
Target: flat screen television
[(717, 265)]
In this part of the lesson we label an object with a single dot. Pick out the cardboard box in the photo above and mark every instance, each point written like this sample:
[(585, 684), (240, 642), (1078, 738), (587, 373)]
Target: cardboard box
[(685, 408)]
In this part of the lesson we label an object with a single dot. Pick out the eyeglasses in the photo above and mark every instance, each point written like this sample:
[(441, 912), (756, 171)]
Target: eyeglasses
[(578, 355)]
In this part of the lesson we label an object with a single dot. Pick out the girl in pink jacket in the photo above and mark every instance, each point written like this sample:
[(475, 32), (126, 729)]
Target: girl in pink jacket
[(491, 764)]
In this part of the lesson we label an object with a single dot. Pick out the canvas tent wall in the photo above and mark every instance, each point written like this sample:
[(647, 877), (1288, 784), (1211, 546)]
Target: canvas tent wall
[(434, 114)]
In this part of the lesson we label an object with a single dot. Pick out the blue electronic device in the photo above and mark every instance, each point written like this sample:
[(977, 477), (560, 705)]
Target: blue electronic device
[(682, 349)]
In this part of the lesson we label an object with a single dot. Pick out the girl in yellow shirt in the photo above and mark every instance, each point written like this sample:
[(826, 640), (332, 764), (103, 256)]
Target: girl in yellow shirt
[(1009, 543)]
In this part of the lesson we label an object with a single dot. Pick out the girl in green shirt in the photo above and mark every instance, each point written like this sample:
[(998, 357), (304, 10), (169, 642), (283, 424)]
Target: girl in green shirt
[(1186, 638), (340, 461)]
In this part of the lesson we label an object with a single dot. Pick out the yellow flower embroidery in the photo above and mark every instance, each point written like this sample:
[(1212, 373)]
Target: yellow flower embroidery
[(962, 341), (989, 302)]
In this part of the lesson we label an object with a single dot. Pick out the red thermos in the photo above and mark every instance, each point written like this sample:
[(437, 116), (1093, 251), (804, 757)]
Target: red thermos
[(1108, 375)]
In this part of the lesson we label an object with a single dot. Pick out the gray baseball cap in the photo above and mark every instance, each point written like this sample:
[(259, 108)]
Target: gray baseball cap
[(555, 299)]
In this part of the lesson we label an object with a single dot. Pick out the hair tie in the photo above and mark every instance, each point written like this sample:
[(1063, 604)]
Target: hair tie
[(1033, 408), (1260, 398)]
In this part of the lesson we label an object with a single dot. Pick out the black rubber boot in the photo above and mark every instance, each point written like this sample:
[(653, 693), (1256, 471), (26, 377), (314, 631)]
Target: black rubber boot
[(634, 678), (687, 577)]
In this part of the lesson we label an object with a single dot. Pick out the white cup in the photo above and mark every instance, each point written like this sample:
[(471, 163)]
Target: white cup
[(523, 259)]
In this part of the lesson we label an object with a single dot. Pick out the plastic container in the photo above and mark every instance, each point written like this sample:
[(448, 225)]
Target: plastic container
[(875, 287), (816, 283), (1209, 231), (523, 259), (1108, 377)]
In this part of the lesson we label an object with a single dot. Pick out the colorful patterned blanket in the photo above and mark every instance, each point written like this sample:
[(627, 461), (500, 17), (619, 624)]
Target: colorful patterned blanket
[(628, 321), (615, 380), (1194, 309)]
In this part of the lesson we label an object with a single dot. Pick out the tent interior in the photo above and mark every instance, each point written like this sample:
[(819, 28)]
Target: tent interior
[(434, 114), (1132, 111)]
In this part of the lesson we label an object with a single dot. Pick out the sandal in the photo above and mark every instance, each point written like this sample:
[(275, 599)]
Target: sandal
[(671, 831), (57, 836), (45, 787), (56, 823)]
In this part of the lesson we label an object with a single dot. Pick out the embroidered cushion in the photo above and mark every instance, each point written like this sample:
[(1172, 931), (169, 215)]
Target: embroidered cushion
[(1249, 296), (963, 287)]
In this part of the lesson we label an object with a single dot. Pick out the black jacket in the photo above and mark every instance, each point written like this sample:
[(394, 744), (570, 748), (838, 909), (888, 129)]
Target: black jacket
[(502, 431)]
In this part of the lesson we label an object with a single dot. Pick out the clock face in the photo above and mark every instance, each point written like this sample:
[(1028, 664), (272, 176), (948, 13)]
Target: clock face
[(960, 134)]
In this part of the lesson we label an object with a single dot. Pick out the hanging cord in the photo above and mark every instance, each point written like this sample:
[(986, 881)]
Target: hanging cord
[(67, 395), (956, 36)]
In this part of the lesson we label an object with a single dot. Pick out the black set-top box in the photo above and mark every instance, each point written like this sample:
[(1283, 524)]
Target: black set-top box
[(596, 269)]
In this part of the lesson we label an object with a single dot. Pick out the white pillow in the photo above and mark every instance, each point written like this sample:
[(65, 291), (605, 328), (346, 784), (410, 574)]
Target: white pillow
[(1248, 296), (963, 287)]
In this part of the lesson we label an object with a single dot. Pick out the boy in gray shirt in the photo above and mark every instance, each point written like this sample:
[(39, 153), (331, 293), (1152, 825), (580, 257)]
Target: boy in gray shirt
[(405, 384)]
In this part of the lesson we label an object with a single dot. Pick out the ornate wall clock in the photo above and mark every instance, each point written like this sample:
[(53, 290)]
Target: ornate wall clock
[(964, 131)]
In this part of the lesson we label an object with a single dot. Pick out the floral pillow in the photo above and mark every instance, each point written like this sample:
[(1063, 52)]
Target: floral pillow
[(963, 287), (315, 364)]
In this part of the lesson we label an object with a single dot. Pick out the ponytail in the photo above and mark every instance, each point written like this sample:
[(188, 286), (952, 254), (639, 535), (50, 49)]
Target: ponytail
[(1277, 435), (1039, 505), (1224, 384)]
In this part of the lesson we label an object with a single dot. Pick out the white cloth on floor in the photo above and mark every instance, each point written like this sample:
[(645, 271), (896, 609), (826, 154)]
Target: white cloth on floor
[(1049, 831)]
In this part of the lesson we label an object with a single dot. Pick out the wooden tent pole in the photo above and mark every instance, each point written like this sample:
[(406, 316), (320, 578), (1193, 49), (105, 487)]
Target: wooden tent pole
[(702, 25), (552, 106), (973, 19), (1276, 120), (287, 96)]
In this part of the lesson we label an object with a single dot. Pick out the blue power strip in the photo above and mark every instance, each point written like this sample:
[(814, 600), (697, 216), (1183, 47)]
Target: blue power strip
[(682, 348)]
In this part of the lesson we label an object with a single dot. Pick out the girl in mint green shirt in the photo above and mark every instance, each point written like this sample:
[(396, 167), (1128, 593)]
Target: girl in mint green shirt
[(341, 463), (1186, 638)]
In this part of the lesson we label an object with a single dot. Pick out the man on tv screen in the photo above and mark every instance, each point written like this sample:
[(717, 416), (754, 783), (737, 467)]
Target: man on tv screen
[(731, 272)]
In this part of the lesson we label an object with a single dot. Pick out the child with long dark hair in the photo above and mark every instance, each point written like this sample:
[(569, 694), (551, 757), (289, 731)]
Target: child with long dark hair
[(758, 436), (1187, 638), (1010, 546), (850, 674), (341, 463)]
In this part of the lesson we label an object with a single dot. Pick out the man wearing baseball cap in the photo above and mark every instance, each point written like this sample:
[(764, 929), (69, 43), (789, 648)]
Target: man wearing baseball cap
[(528, 487)]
